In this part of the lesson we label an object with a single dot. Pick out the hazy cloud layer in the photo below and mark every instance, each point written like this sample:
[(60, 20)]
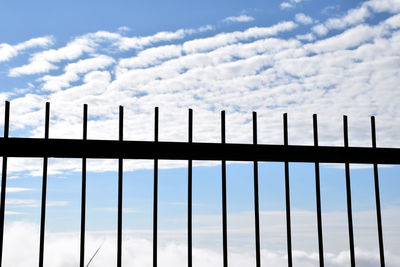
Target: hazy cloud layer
[(62, 249)]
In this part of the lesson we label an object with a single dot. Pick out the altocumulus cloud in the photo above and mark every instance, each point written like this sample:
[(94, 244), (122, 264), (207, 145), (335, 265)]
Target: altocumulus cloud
[(354, 71), (357, 15), (8, 51)]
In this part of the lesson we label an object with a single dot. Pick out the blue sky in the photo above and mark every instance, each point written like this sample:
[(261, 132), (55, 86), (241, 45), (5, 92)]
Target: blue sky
[(143, 17), (295, 56)]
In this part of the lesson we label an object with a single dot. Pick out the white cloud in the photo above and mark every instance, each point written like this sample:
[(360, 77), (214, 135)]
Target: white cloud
[(40, 41), (357, 35), (32, 203), (100, 36), (286, 5), (72, 71), (124, 29), (90, 64), (348, 39), (55, 203), (8, 212), (94, 83), (23, 202), (9, 51), (241, 18), (393, 22), (353, 17), (307, 37), (357, 15), (205, 28), (222, 39), (17, 189), (42, 62), (289, 4), (126, 43), (152, 56), (24, 111), (303, 18), (320, 29), (391, 6), (139, 42), (37, 66)]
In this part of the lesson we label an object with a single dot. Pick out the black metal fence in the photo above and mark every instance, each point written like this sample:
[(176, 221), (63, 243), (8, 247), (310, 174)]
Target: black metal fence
[(156, 150)]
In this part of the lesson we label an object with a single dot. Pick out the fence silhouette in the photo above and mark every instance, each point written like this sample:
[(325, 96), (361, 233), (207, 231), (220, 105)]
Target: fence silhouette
[(119, 149)]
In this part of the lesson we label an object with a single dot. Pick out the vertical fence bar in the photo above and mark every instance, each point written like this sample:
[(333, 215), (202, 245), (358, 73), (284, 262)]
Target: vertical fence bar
[(256, 205), (348, 194), (318, 197), (224, 215), (190, 137), (287, 195), (377, 197), (44, 189), (120, 189), (4, 179), (155, 194), (83, 198)]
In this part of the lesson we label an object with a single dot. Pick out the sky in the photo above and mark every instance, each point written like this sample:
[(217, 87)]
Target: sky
[(283, 56)]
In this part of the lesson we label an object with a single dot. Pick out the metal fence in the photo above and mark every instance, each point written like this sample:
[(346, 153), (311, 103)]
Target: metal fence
[(119, 149)]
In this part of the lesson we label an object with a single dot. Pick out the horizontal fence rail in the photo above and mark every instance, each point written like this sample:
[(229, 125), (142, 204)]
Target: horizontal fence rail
[(72, 148), (158, 150)]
